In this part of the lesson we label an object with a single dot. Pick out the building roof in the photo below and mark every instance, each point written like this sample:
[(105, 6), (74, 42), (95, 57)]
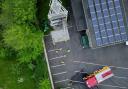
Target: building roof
[(106, 22), (78, 13)]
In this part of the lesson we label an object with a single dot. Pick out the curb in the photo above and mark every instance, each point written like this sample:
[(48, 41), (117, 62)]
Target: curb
[(49, 70)]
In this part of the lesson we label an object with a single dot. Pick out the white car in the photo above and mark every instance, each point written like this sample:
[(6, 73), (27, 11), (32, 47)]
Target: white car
[(126, 42)]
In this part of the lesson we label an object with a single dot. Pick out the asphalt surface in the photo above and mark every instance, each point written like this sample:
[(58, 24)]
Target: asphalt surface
[(66, 60)]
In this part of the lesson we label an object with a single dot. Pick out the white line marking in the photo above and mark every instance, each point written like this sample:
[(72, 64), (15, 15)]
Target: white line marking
[(66, 88), (61, 81), (70, 26), (101, 65), (102, 85), (79, 72), (58, 65), (55, 50), (112, 86), (58, 57), (76, 81), (120, 77), (60, 73), (113, 76)]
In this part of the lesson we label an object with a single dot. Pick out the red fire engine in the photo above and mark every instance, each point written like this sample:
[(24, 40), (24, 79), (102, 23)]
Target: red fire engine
[(98, 76)]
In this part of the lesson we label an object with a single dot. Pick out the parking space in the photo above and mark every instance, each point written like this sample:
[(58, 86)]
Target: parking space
[(93, 59), (66, 60), (120, 75), (58, 56)]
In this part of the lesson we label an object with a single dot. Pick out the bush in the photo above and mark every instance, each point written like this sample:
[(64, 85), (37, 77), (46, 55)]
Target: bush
[(40, 70), (45, 84)]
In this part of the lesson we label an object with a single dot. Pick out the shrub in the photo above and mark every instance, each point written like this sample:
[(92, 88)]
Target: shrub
[(45, 84)]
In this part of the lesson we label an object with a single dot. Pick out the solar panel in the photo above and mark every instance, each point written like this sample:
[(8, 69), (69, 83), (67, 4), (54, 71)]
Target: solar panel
[(106, 13), (117, 3), (115, 24), (122, 30), (97, 1), (112, 11), (119, 16), (93, 15), (101, 21), (103, 34), (110, 3), (110, 32), (90, 2), (113, 17), (99, 42), (94, 22), (97, 7), (124, 37), (107, 21), (117, 37), (99, 14), (96, 29), (105, 40), (97, 34), (111, 39), (92, 9)]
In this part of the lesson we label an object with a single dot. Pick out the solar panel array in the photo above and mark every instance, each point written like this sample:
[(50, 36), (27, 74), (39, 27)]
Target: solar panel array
[(107, 21)]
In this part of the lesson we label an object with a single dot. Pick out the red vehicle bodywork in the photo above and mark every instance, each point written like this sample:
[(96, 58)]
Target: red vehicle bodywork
[(91, 82), (98, 76)]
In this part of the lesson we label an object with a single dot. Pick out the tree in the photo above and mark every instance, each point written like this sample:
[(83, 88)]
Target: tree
[(26, 40), (18, 11), (24, 11)]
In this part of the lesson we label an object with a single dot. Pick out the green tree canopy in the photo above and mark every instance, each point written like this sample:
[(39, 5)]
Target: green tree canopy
[(24, 39), (24, 10), (18, 11)]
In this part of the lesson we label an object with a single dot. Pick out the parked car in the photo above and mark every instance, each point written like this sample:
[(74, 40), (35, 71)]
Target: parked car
[(84, 39)]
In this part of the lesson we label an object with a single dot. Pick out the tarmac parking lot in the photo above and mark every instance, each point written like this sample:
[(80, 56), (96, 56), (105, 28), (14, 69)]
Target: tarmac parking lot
[(66, 59)]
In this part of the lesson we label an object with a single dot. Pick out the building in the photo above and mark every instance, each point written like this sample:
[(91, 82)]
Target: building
[(106, 22), (58, 20)]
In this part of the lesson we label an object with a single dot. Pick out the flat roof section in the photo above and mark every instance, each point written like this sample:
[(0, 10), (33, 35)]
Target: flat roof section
[(106, 22), (78, 14)]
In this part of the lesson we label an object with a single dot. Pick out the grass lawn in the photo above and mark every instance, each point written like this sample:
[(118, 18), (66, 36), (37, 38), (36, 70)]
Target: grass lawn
[(10, 73)]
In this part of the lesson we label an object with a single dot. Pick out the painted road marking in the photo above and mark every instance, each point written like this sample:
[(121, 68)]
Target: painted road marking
[(58, 66), (102, 85), (90, 63), (79, 72), (120, 77), (60, 73), (112, 86), (70, 26), (62, 81), (76, 81), (58, 57), (55, 50), (66, 88), (113, 76)]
